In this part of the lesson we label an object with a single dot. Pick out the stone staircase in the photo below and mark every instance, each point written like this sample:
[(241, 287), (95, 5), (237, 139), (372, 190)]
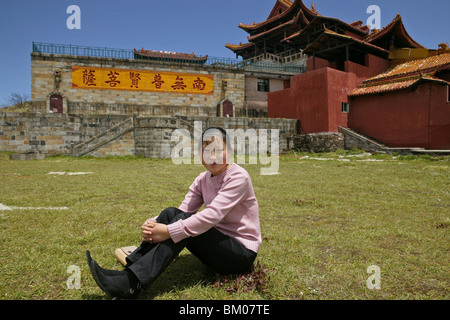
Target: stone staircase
[(193, 131), (113, 133)]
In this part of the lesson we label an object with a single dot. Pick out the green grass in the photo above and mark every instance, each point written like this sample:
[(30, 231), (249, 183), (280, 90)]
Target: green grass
[(323, 223)]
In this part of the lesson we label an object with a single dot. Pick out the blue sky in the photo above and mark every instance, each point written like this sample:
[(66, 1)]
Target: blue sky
[(200, 26)]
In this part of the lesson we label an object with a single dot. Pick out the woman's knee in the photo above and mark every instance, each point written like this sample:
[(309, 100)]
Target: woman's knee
[(171, 215)]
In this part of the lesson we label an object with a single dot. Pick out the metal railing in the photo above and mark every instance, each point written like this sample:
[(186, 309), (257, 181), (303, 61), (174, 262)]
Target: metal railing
[(104, 52), (73, 50)]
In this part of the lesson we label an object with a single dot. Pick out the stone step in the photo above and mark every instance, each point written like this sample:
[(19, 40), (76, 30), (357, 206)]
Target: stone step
[(103, 138)]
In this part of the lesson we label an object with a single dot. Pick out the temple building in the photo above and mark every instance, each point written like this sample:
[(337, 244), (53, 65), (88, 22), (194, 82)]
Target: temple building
[(370, 80), (408, 104), (285, 19)]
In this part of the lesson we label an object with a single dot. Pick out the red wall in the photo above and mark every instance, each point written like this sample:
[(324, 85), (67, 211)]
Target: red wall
[(406, 118), (439, 117), (315, 98), (339, 85), (320, 63), (374, 66)]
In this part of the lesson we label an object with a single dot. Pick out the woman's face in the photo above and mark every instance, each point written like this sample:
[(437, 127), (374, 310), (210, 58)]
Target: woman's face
[(214, 156)]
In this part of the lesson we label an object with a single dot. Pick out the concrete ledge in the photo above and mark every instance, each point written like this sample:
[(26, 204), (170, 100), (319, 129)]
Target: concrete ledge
[(431, 152)]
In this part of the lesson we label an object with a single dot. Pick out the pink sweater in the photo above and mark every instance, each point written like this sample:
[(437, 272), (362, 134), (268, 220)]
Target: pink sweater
[(230, 206)]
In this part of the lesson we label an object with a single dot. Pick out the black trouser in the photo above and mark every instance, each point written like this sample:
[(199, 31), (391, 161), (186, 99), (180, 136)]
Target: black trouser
[(220, 252)]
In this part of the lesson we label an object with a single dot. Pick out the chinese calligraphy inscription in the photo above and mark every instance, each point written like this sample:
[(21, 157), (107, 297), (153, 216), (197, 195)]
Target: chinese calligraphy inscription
[(113, 79), (158, 81), (89, 77), (141, 80), (179, 84)]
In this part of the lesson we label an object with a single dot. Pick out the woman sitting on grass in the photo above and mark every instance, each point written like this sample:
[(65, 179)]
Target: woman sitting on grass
[(225, 236)]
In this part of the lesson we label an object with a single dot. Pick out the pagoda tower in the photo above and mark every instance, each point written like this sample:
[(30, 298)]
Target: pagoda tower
[(292, 27), (286, 19)]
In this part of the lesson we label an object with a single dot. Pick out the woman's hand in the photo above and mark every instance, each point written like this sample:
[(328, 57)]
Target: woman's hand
[(147, 229), (154, 232)]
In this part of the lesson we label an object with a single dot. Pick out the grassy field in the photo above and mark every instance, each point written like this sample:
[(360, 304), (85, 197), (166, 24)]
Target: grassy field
[(325, 219)]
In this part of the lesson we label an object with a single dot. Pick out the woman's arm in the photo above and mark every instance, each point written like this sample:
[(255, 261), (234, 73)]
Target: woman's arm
[(233, 191), (193, 199)]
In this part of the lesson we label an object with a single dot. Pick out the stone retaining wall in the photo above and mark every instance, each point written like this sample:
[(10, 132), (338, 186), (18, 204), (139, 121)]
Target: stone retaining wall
[(53, 134), (319, 142)]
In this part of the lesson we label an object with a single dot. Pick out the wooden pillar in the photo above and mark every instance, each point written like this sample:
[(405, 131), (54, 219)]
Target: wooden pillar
[(314, 61)]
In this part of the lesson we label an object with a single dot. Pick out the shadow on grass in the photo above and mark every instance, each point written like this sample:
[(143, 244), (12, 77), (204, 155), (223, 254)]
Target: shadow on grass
[(184, 272)]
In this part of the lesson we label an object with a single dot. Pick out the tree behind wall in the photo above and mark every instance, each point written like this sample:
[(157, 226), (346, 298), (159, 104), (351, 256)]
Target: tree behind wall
[(16, 102)]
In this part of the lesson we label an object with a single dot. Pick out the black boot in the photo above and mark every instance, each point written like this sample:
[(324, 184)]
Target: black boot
[(118, 284), (104, 271)]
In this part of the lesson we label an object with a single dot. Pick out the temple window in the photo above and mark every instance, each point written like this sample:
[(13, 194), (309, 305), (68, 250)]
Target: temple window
[(263, 85), (345, 107)]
